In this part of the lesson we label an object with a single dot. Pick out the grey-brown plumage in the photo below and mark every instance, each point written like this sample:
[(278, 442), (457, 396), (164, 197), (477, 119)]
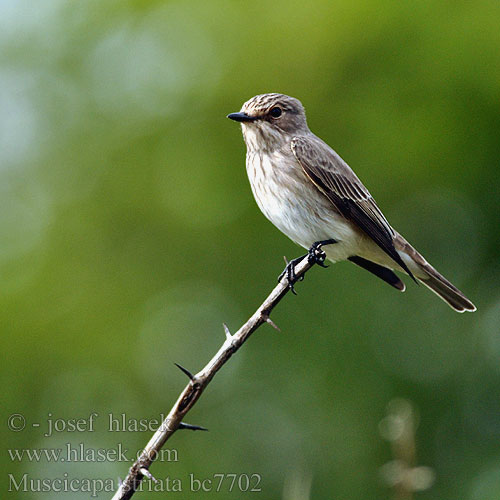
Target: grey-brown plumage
[(307, 190), (339, 183)]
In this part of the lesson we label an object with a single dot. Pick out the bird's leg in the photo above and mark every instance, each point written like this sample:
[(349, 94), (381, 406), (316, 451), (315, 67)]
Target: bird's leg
[(290, 272), (316, 255)]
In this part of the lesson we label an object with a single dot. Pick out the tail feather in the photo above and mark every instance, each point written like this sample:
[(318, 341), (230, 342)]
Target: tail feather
[(433, 280), (446, 290)]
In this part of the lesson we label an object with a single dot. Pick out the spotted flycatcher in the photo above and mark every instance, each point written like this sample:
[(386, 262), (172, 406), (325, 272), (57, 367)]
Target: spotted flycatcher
[(308, 192)]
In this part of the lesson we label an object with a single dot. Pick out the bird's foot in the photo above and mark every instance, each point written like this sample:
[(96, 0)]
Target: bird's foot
[(316, 254), (289, 271)]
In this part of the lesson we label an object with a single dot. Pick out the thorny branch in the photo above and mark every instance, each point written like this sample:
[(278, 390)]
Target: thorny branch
[(199, 381)]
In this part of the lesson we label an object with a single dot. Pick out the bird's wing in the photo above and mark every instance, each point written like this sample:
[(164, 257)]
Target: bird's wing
[(335, 179)]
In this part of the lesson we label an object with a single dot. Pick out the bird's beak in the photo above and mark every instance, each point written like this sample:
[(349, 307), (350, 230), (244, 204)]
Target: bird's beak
[(241, 117)]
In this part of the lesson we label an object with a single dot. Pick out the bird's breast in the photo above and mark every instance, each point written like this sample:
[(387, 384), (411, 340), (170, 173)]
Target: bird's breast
[(290, 200)]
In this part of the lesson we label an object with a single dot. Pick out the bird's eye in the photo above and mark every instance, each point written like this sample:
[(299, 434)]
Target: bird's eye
[(275, 112)]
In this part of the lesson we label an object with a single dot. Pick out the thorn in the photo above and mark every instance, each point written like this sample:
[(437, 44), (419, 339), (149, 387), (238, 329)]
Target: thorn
[(185, 371), (183, 425), (286, 260), (226, 330), (267, 319), (145, 472)]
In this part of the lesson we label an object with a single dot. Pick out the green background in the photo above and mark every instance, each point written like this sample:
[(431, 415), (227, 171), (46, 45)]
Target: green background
[(128, 234)]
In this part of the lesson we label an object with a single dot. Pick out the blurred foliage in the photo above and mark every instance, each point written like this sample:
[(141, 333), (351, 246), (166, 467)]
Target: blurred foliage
[(128, 234)]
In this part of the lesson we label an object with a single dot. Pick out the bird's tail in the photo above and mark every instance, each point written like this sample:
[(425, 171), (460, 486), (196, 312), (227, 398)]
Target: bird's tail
[(446, 290), (434, 280)]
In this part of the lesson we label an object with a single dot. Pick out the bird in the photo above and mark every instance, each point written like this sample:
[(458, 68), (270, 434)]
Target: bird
[(312, 195)]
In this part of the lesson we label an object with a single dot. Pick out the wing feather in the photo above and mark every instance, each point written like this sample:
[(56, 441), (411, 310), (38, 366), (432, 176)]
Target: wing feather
[(333, 177)]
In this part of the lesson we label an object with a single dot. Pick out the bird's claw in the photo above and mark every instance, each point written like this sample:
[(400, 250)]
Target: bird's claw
[(315, 255), (289, 271)]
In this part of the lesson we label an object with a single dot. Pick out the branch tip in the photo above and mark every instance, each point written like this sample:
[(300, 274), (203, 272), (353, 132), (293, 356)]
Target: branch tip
[(227, 332), (145, 472), (185, 371), (267, 319), (183, 425)]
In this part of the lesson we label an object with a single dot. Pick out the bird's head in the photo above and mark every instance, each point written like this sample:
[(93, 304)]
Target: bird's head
[(270, 119)]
